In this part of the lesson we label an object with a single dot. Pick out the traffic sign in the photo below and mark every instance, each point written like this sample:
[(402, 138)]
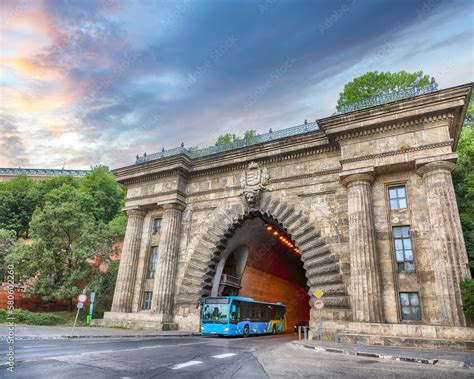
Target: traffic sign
[(79, 306), (82, 298), (319, 304), (318, 293)]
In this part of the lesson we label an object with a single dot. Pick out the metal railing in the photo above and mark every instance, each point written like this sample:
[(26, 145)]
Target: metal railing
[(379, 99), (196, 152), (388, 97), (41, 172), (230, 281)]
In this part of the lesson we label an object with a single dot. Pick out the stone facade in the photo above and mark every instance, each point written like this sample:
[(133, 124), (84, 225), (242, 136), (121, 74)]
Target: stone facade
[(329, 191)]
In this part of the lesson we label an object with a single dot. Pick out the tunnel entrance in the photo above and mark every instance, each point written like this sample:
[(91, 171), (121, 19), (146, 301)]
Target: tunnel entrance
[(261, 261)]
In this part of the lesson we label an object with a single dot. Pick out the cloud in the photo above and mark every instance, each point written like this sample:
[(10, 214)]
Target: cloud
[(12, 150), (99, 81)]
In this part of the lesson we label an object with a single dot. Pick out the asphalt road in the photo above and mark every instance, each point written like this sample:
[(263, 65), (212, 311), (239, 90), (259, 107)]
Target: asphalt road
[(200, 357)]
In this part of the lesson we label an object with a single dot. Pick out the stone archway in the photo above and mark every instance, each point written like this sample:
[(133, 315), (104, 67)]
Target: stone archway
[(321, 266)]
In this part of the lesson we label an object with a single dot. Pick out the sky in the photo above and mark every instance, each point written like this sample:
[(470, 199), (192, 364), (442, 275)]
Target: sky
[(85, 82)]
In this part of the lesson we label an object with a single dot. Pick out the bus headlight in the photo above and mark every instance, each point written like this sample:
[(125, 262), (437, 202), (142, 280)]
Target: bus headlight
[(202, 327), (226, 329)]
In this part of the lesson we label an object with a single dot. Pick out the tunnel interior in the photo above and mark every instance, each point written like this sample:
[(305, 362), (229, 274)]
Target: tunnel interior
[(262, 262)]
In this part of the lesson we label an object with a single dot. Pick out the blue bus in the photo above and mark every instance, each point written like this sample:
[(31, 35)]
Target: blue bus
[(241, 316)]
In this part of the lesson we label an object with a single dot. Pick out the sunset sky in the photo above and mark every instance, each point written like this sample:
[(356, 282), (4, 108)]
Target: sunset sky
[(97, 82)]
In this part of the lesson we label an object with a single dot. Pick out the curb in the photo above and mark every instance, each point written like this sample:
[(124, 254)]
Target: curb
[(438, 362), (105, 336)]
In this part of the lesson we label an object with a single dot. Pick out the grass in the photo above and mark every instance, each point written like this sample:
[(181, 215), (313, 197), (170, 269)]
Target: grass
[(44, 318)]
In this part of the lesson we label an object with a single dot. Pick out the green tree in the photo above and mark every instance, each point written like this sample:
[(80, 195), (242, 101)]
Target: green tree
[(18, 200), (7, 244), (227, 138), (66, 238), (107, 197), (104, 286), (373, 83), (463, 180), (47, 185)]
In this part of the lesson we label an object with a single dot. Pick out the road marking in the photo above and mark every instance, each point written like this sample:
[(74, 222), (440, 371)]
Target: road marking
[(186, 364), (101, 352), (31, 347), (220, 356)]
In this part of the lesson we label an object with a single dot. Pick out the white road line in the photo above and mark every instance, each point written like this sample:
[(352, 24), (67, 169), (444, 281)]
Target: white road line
[(186, 364), (32, 347), (220, 356)]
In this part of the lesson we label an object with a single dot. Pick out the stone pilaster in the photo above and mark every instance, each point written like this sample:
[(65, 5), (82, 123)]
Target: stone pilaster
[(123, 295), (165, 275), (447, 248), (366, 297)]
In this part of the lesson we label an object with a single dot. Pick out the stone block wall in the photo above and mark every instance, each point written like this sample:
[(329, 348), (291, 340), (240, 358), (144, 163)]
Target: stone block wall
[(330, 187)]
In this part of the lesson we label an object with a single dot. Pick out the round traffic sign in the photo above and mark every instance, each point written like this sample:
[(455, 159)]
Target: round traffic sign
[(82, 298), (319, 304)]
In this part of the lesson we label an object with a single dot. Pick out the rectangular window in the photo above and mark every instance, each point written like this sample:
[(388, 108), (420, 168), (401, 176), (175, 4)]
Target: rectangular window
[(147, 296), (157, 226), (397, 197), (410, 305), (150, 272), (403, 249)]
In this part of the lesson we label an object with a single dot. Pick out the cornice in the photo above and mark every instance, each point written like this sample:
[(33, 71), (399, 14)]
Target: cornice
[(153, 176), (445, 104), (397, 152), (394, 126), (231, 167), (143, 197)]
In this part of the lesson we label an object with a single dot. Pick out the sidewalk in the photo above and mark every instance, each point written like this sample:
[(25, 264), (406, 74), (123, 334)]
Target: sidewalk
[(52, 332), (450, 358)]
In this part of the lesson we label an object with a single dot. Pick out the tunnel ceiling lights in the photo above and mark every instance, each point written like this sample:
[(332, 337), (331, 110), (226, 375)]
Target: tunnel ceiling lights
[(282, 237)]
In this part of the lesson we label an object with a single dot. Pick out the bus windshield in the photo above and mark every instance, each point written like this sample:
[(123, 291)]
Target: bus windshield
[(215, 313)]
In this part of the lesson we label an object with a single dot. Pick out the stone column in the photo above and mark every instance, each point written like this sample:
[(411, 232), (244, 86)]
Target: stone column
[(168, 250), (447, 249), (123, 295), (366, 297)]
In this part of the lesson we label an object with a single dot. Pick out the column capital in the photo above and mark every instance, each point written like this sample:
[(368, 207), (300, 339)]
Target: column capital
[(134, 211), (366, 174), (179, 205), (429, 167), (445, 162)]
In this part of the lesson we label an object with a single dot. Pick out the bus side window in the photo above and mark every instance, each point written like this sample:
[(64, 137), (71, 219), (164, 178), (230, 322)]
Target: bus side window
[(235, 311), (245, 311)]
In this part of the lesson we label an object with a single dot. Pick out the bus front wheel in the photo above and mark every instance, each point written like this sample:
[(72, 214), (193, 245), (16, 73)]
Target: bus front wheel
[(246, 331)]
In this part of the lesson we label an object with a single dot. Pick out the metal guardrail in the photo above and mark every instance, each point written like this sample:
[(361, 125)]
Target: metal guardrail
[(196, 152), (229, 280), (388, 97), (41, 172), (379, 99)]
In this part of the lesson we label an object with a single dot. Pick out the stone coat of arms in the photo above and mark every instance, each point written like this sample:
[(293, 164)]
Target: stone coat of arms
[(254, 181)]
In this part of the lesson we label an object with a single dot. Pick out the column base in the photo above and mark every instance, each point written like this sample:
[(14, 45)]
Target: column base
[(143, 321)]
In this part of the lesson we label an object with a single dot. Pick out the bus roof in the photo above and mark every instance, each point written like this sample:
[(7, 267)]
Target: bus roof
[(243, 298)]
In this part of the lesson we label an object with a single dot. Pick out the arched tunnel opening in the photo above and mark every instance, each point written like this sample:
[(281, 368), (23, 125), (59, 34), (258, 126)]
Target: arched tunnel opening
[(261, 261)]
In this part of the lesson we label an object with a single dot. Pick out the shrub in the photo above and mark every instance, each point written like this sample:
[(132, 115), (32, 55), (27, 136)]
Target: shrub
[(32, 318), (467, 288)]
